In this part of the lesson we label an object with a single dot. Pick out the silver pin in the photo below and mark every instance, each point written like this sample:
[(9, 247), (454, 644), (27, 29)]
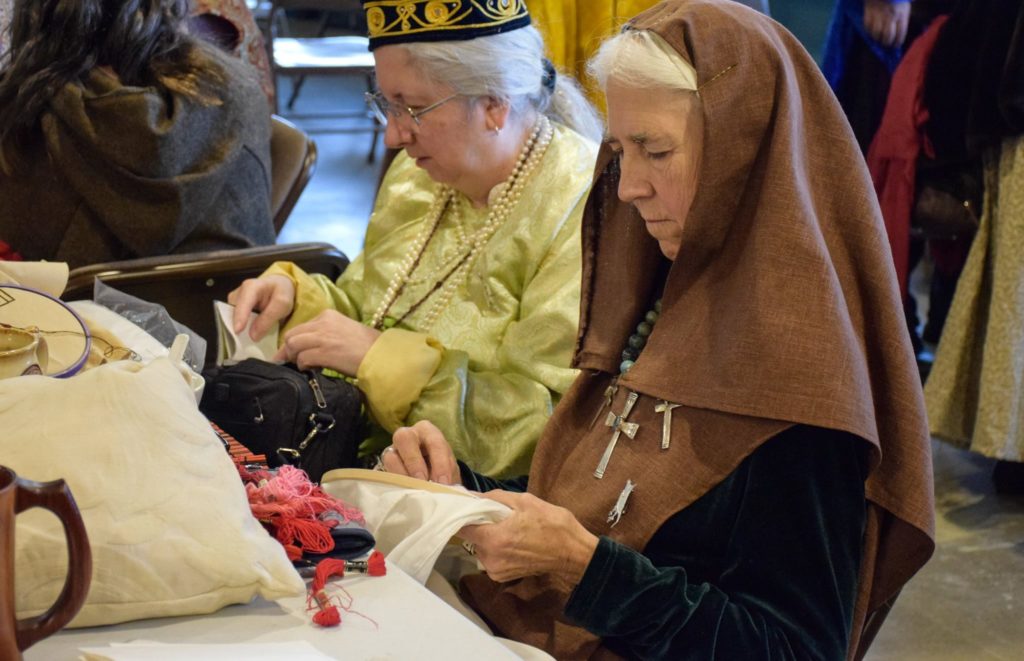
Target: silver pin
[(609, 394), (620, 504), (619, 424), (666, 422)]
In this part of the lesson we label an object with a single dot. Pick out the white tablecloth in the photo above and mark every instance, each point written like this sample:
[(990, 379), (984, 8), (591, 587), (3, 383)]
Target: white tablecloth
[(411, 623)]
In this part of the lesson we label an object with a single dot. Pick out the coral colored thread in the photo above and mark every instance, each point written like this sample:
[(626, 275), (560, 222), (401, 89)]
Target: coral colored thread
[(329, 615), (375, 565), (312, 536), (299, 513)]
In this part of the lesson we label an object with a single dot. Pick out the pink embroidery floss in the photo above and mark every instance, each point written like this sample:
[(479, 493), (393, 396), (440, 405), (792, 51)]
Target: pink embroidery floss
[(290, 505)]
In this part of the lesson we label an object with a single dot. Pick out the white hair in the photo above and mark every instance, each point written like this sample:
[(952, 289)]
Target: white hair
[(639, 58), (510, 67)]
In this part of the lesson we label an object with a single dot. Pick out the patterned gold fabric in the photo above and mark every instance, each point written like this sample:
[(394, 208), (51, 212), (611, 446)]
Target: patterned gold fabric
[(496, 361), (975, 390), (401, 21)]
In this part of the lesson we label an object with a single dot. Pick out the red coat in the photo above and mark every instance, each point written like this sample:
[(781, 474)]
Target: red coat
[(892, 157)]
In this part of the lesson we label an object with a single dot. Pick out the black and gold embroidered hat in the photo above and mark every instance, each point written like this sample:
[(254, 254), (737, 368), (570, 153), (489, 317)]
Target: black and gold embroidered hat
[(406, 21)]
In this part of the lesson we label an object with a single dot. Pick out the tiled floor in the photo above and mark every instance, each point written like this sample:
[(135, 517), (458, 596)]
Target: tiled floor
[(967, 603)]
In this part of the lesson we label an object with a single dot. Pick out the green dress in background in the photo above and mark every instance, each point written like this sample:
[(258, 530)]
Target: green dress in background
[(975, 390)]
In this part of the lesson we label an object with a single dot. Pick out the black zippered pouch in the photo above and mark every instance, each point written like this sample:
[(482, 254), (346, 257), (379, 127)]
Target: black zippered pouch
[(296, 417)]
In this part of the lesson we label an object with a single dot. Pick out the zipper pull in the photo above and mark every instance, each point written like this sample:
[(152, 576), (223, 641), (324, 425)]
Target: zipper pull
[(318, 394)]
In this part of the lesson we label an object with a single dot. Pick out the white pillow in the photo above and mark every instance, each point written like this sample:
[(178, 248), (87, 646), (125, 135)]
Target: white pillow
[(167, 516)]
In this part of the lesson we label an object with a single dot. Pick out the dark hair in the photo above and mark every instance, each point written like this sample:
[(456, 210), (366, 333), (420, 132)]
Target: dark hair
[(56, 42)]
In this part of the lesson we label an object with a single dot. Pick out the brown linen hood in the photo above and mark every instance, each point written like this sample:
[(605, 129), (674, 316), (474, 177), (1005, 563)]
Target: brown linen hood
[(782, 303)]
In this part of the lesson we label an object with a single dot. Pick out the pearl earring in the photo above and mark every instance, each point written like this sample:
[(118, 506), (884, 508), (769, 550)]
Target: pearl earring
[(497, 130)]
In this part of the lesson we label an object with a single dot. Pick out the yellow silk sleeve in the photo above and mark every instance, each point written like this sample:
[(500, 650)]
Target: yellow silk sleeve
[(394, 372), (316, 293)]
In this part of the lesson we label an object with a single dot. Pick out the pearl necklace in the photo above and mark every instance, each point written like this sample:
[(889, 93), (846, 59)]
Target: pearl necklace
[(529, 158)]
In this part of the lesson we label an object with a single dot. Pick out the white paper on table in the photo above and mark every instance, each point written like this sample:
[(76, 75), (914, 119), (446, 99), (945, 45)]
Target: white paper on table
[(299, 650), (233, 347)]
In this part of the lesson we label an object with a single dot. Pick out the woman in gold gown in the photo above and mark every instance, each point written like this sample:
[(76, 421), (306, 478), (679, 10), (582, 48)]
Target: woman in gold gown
[(463, 306)]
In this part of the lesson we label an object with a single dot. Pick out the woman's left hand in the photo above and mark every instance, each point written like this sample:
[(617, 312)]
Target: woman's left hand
[(328, 340), (538, 538)]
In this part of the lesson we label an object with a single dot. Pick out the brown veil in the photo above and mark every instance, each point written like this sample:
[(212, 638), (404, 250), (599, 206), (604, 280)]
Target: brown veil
[(782, 303)]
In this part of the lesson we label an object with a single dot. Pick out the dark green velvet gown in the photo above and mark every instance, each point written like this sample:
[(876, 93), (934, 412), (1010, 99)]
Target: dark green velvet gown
[(763, 566)]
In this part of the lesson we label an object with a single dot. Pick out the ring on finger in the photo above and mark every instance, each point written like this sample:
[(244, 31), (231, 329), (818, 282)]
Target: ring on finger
[(379, 466)]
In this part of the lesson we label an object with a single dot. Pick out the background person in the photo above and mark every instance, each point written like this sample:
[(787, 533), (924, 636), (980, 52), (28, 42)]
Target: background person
[(463, 306), (122, 137)]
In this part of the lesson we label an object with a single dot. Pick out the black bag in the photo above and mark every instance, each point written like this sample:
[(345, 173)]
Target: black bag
[(296, 417)]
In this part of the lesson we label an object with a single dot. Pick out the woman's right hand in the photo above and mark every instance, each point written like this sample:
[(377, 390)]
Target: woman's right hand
[(272, 296), (421, 451)]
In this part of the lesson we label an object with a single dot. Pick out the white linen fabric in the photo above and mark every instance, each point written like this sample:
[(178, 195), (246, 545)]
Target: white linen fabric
[(411, 519), (167, 516), (49, 277)]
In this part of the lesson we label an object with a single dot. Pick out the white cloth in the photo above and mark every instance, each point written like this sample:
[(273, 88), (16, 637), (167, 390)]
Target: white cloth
[(411, 520), (390, 617), (49, 277), (168, 520), (129, 333)]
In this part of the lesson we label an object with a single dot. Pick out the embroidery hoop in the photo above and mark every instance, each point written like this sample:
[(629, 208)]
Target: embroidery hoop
[(392, 479), (67, 337)]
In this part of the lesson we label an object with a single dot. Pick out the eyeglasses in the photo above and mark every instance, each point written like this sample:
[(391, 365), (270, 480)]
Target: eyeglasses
[(382, 108)]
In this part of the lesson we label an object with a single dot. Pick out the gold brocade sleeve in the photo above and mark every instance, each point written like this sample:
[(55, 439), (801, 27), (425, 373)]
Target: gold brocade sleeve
[(316, 293), (394, 373)]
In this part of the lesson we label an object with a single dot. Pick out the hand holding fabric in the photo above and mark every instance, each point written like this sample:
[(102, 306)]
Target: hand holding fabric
[(539, 538), (421, 451), (886, 21), (331, 340), (273, 296)]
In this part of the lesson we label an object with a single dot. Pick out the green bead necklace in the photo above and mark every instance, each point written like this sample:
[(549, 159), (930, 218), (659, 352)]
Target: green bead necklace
[(638, 340)]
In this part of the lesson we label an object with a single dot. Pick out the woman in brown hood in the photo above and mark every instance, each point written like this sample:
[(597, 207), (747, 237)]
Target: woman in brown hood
[(743, 468)]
